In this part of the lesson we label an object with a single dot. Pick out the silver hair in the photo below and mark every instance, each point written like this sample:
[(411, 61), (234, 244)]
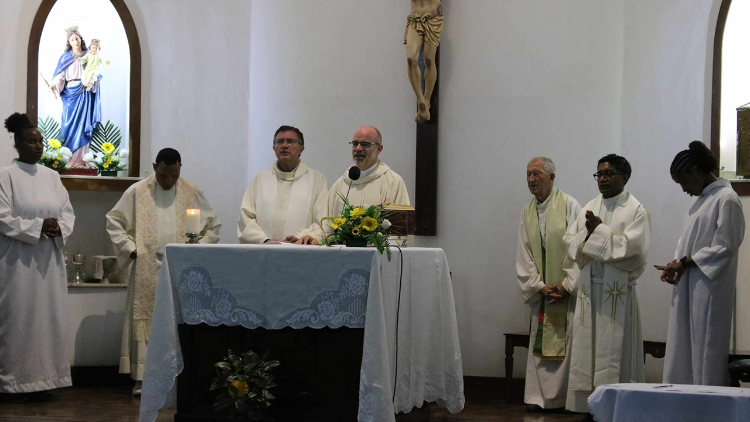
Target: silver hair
[(378, 136), (547, 164)]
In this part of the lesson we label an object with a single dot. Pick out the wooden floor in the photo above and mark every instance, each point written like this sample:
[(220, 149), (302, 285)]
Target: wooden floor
[(115, 404)]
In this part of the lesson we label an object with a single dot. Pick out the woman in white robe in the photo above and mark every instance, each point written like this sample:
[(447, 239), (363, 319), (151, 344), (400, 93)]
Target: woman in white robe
[(704, 273), (36, 219)]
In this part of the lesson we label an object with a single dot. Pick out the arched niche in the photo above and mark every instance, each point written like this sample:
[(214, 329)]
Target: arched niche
[(741, 187), (134, 104)]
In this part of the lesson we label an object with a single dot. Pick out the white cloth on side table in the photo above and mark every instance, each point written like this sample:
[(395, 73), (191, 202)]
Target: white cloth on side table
[(669, 403)]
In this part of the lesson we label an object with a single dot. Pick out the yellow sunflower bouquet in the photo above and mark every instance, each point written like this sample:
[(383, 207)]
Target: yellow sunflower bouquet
[(359, 226), (55, 155)]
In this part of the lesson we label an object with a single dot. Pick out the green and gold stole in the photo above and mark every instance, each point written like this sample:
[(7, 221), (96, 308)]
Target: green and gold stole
[(550, 337)]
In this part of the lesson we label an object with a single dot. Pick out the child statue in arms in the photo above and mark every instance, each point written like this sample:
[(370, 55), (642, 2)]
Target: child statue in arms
[(92, 60), (424, 27)]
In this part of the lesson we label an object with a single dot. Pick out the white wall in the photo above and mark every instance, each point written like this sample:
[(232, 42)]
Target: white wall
[(666, 104), (509, 91)]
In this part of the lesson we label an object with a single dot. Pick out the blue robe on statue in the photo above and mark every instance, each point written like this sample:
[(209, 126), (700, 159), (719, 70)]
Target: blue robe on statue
[(82, 110)]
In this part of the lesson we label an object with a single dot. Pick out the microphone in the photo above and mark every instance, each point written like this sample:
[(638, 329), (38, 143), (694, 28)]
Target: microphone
[(354, 173)]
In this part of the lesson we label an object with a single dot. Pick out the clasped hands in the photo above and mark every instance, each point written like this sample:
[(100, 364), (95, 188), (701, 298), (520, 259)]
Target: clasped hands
[(554, 293), (50, 227), (672, 272), (592, 221)]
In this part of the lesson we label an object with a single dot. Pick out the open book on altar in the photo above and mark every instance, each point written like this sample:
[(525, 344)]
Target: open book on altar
[(403, 226)]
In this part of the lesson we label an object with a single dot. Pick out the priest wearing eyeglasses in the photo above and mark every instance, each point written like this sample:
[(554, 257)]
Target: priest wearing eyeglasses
[(609, 242), (286, 198), (377, 183)]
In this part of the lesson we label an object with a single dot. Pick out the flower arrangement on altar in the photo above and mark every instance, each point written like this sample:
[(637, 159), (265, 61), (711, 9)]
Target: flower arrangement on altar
[(358, 225), (55, 155), (245, 382), (109, 159)]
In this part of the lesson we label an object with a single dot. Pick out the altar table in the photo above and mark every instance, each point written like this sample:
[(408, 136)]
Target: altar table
[(669, 403), (279, 286)]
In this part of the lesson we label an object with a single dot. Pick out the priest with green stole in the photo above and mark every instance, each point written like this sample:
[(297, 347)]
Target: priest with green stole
[(547, 278), (609, 241), (151, 214)]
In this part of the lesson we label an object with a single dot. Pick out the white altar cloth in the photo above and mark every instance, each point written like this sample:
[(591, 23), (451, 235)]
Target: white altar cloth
[(276, 286), (669, 403)]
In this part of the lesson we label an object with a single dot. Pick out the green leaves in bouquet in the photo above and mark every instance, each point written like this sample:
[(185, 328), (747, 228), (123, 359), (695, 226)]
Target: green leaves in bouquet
[(359, 223), (245, 382), (107, 132), (50, 129)]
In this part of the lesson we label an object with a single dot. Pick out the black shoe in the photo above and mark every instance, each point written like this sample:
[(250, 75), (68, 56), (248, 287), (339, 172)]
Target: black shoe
[(534, 408)]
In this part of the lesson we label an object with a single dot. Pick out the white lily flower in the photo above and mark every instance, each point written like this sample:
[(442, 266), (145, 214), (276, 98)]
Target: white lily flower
[(65, 152), (88, 157), (124, 154), (385, 224)]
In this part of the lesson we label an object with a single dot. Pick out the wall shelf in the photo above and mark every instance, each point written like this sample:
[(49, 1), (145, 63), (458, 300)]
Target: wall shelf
[(98, 183)]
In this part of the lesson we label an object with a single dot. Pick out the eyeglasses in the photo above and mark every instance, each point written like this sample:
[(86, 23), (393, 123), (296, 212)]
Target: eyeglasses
[(288, 141), (364, 145), (605, 174)]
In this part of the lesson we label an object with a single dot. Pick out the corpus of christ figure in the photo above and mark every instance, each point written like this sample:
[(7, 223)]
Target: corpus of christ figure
[(424, 27)]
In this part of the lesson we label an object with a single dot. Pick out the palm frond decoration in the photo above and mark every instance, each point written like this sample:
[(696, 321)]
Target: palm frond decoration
[(50, 129), (106, 132)]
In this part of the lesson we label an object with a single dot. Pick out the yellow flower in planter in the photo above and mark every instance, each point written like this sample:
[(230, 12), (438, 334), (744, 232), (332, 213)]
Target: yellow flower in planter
[(55, 164), (58, 158), (108, 147), (54, 143), (357, 212), (369, 224), (356, 231), (109, 160), (241, 386), (337, 223), (105, 165)]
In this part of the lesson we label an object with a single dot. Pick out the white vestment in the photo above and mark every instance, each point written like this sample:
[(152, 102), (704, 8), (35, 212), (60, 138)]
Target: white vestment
[(700, 318), (377, 185), (121, 225), (278, 204), (33, 281), (607, 342), (546, 380)]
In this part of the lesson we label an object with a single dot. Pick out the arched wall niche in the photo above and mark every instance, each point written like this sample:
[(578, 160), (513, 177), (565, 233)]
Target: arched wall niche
[(134, 119), (741, 187)]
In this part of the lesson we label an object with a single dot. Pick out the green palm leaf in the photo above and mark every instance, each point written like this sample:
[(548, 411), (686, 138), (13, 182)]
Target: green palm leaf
[(50, 129), (106, 132)]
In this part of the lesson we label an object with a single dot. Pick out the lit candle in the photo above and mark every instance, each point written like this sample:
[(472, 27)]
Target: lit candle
[(193, 221)]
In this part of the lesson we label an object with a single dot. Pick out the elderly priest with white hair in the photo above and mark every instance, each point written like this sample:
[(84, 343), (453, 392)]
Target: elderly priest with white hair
[(547, 278), (377, 183), (286, 198)]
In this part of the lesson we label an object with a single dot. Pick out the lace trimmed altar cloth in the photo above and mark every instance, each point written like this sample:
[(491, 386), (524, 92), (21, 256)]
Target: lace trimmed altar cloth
[(277, 286), (669, 403)]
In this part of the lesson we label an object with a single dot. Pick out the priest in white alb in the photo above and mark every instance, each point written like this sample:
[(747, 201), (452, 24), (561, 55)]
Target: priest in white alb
[(547, 278), (150, 215), (609, 242), (704, 273), (377, 183), (286, 198)]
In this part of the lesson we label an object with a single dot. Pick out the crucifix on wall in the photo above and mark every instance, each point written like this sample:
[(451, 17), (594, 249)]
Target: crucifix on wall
[(424, 29)]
